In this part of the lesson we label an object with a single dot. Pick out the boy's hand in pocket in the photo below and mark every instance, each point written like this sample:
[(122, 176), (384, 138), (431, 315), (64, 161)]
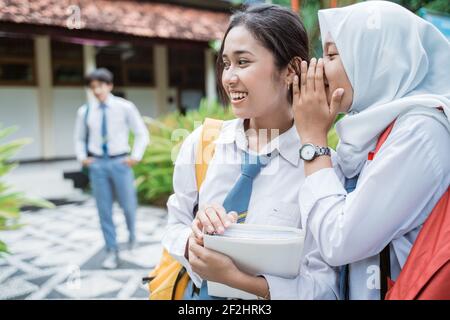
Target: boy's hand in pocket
[(87, 162)]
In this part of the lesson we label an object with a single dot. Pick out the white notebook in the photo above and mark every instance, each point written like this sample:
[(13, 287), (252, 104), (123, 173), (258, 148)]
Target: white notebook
[(257, 249)]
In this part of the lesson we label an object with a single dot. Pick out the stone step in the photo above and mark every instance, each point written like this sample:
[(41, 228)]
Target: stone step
[(44, 180)]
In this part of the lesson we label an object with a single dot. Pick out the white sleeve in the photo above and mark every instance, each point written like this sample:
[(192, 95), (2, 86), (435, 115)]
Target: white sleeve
[(80, 134), (410, 171), (316, 281), (181, 204)]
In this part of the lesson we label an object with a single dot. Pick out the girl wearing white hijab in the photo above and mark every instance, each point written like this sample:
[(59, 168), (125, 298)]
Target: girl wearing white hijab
[(381, 64)]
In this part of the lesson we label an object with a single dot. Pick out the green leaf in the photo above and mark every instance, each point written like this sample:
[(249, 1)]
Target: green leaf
[(10, 201), (37, 202), (12, 226), (7, 131), (3, 247)]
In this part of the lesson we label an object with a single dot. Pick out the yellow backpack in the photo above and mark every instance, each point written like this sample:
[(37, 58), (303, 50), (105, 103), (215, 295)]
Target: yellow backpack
[(169, 279)]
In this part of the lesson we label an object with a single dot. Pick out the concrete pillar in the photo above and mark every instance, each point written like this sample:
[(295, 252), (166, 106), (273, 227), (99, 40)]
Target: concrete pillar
[(89, 65), (210, 76), (160, 56), (42, 45)]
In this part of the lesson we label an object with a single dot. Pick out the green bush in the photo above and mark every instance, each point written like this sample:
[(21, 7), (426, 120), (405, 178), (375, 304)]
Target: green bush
[(333, 139), (10, 201)]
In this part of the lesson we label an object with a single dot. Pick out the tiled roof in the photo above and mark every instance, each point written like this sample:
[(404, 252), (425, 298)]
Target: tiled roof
[(144, 19)]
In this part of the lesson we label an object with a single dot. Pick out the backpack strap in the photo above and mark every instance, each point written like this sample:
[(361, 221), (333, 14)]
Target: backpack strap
[(169, 279), (383, 137), (205, 150), (385, 263), (385, 255), (385, 271)]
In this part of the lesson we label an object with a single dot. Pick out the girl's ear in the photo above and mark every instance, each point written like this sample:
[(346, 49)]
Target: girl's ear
[(293, 69)]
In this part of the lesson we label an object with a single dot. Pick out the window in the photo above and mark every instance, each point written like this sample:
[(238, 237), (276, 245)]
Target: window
[(187, 75), (17, 61), (187, 68), (132, 66), (67, 64)]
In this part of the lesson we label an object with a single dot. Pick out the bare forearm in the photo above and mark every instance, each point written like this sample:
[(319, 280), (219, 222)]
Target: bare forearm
[(256, 285)]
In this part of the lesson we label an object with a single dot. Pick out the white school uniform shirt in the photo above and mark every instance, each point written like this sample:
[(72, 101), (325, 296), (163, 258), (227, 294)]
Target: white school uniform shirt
[(274, 201), (121, 117), (394, 195)]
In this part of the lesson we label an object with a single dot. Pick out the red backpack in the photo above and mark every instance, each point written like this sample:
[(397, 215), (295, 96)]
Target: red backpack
[(426, 273)]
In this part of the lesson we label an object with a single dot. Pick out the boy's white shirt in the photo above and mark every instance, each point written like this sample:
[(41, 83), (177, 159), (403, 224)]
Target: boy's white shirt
[(274, 201), (122, 116)]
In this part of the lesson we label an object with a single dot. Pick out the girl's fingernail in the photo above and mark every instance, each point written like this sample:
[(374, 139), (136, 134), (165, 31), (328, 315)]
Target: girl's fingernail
[(339, 91), (221, 230), (295, 78), (210, 229)]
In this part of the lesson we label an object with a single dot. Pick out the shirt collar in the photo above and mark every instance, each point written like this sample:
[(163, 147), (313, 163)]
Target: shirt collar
[(108, 101), (287, 144), (229, 132)]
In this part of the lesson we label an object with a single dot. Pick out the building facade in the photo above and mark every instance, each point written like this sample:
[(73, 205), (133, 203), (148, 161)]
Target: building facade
[(159, 53)]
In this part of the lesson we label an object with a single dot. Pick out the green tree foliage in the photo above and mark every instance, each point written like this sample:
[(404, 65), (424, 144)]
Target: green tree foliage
[(12, 201)]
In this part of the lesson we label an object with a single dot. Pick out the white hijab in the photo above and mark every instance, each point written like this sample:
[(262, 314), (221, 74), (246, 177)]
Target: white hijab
[(396, 62)]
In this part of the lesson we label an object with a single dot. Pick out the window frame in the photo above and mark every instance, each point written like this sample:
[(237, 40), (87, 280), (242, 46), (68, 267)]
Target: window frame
[(31, 61)]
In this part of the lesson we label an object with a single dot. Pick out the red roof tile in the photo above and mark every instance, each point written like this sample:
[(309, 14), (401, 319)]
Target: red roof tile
[(153, 20)]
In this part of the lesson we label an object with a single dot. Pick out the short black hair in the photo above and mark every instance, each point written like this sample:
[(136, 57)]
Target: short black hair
[(101, 74), (278, 29)]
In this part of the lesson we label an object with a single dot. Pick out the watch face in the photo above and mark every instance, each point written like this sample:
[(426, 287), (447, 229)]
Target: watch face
[(307, 152)]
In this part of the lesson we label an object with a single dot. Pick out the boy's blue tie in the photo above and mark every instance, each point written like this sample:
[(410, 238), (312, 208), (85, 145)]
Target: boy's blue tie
[(239, 196), (104, 130)]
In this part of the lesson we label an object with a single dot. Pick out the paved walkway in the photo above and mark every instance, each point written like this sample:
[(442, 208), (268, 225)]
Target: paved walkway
[(58, 255)]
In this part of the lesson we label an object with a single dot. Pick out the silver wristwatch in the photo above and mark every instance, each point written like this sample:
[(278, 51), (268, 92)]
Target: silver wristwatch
[(309, 152)]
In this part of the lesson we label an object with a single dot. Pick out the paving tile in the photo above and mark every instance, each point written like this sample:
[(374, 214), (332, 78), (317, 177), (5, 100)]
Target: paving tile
[(146, 256), (90, 287), (6, 272), (29, 245), (58, 255), (15, 288)]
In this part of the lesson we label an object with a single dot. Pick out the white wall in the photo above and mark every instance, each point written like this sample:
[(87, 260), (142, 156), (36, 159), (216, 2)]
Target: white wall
[(19, 107), (144, 99), (171, 107), (66, 102)]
